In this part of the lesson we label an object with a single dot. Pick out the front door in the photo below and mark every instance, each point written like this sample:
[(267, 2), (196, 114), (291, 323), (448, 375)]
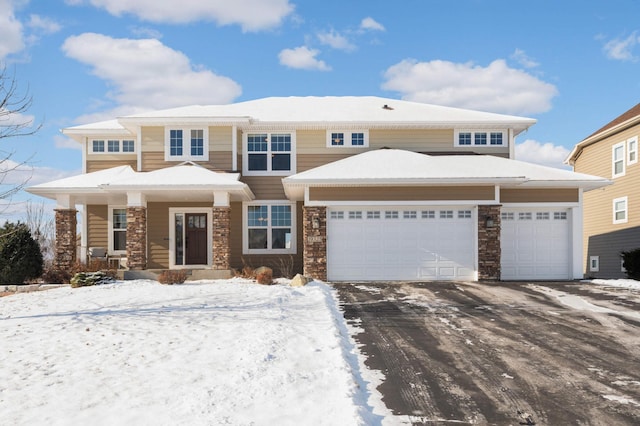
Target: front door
[(196, 239)]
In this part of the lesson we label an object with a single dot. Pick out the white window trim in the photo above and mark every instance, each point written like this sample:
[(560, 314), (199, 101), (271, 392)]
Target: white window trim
[(622, 160), (268, 172), (594, 260), (186, 144), (456, 137), (348, 142), (629, 150), (106, 146), (172, 235), (626, 210), (110, 240), (245, 227)]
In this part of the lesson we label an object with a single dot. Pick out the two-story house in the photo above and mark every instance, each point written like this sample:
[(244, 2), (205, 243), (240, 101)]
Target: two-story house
[(346, 188), (611, 214)]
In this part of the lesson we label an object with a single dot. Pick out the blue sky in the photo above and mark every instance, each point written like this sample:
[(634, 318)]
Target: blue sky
[(572, 65)]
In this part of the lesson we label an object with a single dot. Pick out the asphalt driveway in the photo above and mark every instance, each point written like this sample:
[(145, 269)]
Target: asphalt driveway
[(505, 353)]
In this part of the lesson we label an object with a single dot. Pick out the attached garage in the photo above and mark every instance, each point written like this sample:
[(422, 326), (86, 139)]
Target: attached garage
[(535, 244), (383, 243)]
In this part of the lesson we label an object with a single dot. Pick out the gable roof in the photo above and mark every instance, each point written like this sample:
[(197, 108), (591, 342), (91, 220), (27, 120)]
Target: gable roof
[(629, 118), (319, 112), (394, 167)]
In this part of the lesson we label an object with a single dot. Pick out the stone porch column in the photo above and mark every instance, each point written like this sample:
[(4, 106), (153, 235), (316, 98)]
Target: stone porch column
[(314, 234), (65, 254), (137, 237), (489, 249), (221, 241)]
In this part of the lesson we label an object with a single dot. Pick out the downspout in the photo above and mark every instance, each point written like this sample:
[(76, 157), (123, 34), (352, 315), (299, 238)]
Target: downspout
[(512, 145), (139, 149), (234, 148)]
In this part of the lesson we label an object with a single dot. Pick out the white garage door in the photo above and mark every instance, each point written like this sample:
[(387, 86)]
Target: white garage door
[(401, 244), (535, 244)]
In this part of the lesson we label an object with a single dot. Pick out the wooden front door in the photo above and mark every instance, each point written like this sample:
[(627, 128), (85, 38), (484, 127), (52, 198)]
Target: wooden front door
[(196, 239)]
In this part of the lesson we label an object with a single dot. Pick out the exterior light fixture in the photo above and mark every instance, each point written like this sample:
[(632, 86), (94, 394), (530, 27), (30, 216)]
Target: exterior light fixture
[(489, 222), (315, 223)]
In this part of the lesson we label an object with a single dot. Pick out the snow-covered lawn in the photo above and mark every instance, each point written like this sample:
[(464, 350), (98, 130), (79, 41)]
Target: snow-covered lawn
[(217, 352)]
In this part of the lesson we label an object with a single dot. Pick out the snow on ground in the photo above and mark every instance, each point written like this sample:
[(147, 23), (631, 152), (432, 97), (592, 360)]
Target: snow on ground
[(631, 284), (216, 352)]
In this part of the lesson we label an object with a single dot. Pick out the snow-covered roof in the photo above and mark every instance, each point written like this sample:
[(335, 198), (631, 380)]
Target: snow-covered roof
[(398, 167), (177, 182), (312, 111)]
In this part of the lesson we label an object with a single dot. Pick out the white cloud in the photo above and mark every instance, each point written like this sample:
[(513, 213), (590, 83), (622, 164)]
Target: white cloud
[(335, 40), (546, 154), (369, 23), (251, 15), (302, 58), (145, 32), (64, 142), (622, 49), (145, 74), (43, 24), (523, 59), (495, 88), (11, 35)]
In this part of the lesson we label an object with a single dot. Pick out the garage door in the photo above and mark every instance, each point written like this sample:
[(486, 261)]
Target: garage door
[(401, 244), (535, 244)]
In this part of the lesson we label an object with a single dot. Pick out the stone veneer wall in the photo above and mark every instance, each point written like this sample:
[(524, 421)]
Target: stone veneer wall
[(221, 241), (489, 243), (66, 223), (137, 237), (315, 242)]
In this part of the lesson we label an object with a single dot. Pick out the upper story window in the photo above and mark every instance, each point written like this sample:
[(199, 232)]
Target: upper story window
[(347, 138), (480, 138), (617, 160), (186, 144), (620, 213), (269, 154), (112, 146), (632, 150)]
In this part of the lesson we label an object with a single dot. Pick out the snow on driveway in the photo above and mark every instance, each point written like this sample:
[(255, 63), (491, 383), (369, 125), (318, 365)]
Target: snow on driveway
[(218, 352)]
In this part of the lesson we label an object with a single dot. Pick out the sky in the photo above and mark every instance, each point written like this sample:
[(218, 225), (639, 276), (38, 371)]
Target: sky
[(572, 65)]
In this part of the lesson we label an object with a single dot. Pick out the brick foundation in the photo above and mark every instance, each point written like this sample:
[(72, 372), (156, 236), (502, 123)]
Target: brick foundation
[(221, 241), (137, 237), (315, 242), (65, 254), (489, 249)]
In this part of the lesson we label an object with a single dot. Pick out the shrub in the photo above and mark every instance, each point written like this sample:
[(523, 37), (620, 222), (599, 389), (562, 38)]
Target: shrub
[(172, 277), (264, 275), (20, 255), (631, 262), (83, 279)]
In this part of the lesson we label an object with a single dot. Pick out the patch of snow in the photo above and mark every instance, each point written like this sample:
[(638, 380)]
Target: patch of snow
[(623, 283), (506, 376), (621, 400), (223, 352), (372, 290)]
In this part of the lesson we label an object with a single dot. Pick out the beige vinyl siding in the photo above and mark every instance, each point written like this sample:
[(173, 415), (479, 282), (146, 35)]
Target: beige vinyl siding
[(539, 195), (153, 139), (239, 260), (306, 162), (220, 139), (97, 226), (218, 161), (601, 236), (95, 166), (265, 187), (412, 193)]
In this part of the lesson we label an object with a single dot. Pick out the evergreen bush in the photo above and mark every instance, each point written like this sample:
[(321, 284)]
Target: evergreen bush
[(631, 262), (20, 255)]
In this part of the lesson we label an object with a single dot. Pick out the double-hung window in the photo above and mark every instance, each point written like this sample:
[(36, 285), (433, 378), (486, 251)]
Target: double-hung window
[(269, 227), (347, 138), (617, 160), (183, 143), (480, 138), (117, 230), (620, 210), (269, 154), (632, 150)]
